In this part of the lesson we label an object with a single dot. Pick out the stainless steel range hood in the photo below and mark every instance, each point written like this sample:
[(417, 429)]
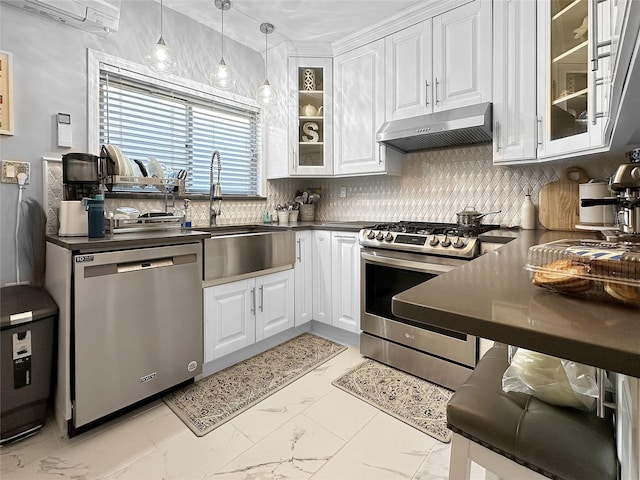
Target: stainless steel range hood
[(459, 126)]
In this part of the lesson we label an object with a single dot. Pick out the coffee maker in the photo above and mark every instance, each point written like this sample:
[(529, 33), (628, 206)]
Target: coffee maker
[(80, 179), (625, 184)]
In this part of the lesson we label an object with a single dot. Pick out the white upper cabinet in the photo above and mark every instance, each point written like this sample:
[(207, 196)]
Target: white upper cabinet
[(441, 63), (574, 76), (514, 81), (311, 130), (359, 113)]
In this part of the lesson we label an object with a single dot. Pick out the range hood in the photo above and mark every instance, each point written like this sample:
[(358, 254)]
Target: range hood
[(459, 126)]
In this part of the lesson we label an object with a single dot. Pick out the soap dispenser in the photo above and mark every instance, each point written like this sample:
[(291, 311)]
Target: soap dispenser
[(528, 213)]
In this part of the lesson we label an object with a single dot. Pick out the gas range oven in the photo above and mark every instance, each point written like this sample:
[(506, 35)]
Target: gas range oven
[(398, 256)]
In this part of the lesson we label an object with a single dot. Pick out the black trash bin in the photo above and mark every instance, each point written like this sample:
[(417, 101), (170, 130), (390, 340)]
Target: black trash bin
[(28, 331)]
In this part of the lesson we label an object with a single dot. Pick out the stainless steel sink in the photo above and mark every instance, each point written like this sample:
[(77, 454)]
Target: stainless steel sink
[(237, 255)]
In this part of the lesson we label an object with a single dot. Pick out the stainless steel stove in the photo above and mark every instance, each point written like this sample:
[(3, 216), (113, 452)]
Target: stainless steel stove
[(447, 239), (396, 257)]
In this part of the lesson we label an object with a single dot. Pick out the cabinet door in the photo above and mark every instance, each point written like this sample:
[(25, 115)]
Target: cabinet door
[(311, 114), (359, 112), (229, 319), (345, 260), (408, 72), (274, 298), (303, 278), (321, 254), (571, 97), (514, 81), (462, 56)]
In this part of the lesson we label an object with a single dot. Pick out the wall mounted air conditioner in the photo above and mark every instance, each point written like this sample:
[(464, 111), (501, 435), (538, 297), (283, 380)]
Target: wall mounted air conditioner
[(100, 17)]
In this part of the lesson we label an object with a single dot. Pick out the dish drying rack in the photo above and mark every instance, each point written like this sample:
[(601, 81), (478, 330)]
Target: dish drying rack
[(144, 224), (163, 185)]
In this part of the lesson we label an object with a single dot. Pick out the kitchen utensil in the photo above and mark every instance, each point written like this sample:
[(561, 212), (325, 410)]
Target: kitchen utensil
[(314, 197), (305, 197), (143, 169), (558, 201), (471, 217)]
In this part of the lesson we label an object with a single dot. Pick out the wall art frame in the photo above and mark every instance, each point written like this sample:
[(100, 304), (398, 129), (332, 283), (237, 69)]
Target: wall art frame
[(6, 93)]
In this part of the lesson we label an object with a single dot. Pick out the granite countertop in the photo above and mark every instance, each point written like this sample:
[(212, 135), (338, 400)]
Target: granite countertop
[(120, 241), (493, 297)]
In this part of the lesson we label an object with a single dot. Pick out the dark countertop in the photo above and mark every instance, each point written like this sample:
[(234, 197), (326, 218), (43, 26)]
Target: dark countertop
[(492, 297), (121, 241)]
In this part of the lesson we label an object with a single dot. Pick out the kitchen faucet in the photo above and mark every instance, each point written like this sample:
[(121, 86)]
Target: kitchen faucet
[(215, 192)]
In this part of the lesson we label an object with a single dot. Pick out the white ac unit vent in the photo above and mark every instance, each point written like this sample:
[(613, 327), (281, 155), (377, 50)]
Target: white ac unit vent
[(100, 17)]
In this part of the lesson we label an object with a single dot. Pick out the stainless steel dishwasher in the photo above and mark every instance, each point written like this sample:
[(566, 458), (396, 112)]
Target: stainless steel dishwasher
[(137, 328)]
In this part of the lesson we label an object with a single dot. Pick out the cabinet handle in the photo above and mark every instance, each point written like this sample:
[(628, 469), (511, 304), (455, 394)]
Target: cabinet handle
[(262, 298), (437, 92), (594, 35), (426, 93), (497, 137), (539, 131), (595, 57), (299, 251), (293, 159), (253, 300)]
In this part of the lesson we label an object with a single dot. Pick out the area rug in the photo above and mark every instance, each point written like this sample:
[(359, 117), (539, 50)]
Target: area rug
[(410, 399), (216, 399)]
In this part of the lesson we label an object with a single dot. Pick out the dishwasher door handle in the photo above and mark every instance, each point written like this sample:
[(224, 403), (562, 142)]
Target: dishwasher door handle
[(145, 265)]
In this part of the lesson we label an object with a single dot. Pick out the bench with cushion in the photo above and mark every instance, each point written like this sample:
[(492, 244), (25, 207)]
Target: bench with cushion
[(516, 436)]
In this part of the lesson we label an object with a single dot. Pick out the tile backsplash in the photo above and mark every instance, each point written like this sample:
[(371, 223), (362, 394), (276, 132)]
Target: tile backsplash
[(434, 186)]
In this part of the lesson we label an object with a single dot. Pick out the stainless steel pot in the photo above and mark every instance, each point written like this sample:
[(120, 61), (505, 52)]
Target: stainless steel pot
[(470, 217)]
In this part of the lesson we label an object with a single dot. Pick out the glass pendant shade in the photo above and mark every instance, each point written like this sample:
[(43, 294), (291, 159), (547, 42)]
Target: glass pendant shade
[(266, 94), (223, 76), (161, 58)]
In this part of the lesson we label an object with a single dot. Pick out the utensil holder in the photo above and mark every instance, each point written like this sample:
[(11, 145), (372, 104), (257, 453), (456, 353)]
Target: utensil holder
[(307, 212), (293, 216), (283, 218)]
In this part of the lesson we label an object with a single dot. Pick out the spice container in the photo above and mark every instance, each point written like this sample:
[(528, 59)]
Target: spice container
[(588, 268)]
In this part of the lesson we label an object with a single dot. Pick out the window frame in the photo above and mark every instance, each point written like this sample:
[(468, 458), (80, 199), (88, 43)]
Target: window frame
[(96, 60)]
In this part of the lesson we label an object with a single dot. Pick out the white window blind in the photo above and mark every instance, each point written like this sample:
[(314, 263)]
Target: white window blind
[(181, 130)]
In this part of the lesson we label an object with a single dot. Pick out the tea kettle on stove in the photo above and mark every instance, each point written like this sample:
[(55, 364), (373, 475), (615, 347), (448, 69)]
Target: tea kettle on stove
[(625, 184)]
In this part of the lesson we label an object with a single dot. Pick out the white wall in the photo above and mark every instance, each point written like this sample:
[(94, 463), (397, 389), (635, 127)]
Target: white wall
[(50, 76)]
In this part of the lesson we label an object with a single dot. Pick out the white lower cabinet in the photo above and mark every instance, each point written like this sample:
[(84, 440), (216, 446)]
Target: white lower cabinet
[(321, 254), (336, 279), (238, 314), (345, 265), (303, 273)]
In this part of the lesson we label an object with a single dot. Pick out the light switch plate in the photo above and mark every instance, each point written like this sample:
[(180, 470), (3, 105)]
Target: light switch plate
[(343, 192), (11, 169)]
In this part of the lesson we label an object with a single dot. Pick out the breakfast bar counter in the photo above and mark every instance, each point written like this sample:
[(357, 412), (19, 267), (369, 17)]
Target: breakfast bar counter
[(493, 297)]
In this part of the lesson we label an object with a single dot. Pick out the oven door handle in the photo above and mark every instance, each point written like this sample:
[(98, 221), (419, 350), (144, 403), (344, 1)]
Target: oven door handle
[(407, 264)]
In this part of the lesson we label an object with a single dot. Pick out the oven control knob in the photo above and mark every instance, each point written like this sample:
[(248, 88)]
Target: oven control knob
[(434, 241), (446, 242), (371, 235), (388, 237), (380, 236), (458, 243)]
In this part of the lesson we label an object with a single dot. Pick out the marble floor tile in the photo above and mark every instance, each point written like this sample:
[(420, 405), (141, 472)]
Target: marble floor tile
[(342, 413), (384, 449), (296, 451)]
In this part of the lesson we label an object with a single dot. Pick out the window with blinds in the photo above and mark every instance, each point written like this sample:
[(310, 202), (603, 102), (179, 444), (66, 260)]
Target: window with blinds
[(181, 129)]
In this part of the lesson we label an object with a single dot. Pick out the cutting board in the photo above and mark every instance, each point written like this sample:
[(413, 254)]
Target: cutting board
[(559, 201)]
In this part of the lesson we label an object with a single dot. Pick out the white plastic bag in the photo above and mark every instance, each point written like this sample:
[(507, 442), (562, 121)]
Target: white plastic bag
[(552, 380)]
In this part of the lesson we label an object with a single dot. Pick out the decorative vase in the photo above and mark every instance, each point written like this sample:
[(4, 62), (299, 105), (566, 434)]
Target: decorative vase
[(309, 79)]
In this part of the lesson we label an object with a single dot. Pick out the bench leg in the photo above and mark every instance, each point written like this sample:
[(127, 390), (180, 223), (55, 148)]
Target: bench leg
[(460, 461)]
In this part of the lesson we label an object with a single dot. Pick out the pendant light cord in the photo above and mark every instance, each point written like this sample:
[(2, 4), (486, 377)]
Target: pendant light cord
[(266, 55), (161, 9), (222, 32)]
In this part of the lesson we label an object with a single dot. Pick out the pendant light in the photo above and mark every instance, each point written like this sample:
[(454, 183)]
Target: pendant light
[(223, 76), (161, 58), (266, 94)]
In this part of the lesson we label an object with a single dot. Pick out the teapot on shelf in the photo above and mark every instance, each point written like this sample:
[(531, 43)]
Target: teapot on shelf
[(310, 111)]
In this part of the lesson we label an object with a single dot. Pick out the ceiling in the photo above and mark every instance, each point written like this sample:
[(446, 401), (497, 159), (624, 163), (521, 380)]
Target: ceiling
[(294, 20)]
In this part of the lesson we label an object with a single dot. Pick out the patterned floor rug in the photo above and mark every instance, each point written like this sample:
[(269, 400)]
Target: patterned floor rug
[(410, 399), (216, 399)]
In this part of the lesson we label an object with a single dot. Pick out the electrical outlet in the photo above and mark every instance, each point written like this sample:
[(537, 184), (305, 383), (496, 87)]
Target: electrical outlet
[(11, 169), (343, 192)]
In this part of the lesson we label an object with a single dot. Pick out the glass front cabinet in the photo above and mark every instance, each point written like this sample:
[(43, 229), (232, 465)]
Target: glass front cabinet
[(311, 129), (574, 75)]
